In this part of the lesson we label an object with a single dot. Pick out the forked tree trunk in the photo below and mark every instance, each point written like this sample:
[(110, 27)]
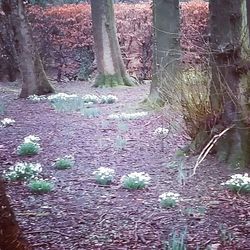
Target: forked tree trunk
[(111, 69), (34, 79), (230, 86), (166, 48), (10, 234)]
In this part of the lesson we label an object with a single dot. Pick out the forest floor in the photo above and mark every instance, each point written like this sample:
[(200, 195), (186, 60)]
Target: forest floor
[(80, 214)]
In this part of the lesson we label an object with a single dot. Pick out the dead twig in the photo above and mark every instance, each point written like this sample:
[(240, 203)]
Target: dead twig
[(207, 149), (47, 231)]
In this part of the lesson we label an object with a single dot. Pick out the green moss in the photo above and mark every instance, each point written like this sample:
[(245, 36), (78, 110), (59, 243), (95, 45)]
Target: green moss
[(234, 147), (112, 81)]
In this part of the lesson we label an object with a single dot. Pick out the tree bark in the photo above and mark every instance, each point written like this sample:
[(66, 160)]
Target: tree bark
[(8, 60), (110, 66), (10, 234), (33, 77), (248, 17), (166, 49), (230, 86)]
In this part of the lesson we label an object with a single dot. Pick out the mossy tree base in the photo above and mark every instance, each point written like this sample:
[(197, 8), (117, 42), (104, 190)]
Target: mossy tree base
[(40, 85), (103, 80), (234, 149)]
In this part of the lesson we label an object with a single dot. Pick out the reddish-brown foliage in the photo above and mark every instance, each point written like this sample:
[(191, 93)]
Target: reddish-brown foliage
[(194, 31), (64, 34)]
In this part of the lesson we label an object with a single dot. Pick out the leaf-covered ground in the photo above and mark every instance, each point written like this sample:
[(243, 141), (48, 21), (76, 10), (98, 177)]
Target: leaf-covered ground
[(80, 214)]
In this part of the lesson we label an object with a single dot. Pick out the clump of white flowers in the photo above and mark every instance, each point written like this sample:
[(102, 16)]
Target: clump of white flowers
[(104, 176), (161, 132), (64, 162), (168, 199), (135, 180), (89, 98), (127, 116), (31, 138), (23, 171), (37, 98), (238, 183), (61, 96), (108, 99), (7, 122), (30, 146)]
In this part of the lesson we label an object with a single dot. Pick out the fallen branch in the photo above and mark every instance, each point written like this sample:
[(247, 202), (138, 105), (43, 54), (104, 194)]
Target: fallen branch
[(46, 231), (207, 149)]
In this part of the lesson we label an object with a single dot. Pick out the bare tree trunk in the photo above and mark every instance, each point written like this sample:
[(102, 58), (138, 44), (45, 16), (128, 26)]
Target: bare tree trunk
[(230, 86), (111, 69), (8, 59), (34, 79), (10, 233), (166, 49), (248, 17)]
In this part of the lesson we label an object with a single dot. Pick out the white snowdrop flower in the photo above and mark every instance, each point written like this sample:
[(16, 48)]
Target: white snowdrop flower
[(36, 98), (161, 132), (23, 170), (31, 138), (108, 99), (62, 96), (104, 175), (91, 98), (238, 182), (169, 195), (114, 116), (127, 116), (135, 180), (7, 122), (168, 199)]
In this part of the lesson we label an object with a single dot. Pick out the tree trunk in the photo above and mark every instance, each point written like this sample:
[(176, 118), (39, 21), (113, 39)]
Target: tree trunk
[(111, 69), (230, 86), (166, 49), (248, 17), (34, 79), (10, 233), (8, 59)]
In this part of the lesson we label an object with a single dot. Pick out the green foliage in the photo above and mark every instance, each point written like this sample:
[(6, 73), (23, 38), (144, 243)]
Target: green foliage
[(136, 180), (178, 163), (226, 236), (104, 176), (28, 149), (65, 162), (122, 127), (169, 199), (238, 183), (40, 186), (90, 112), (197, 211), (68, 105), (23, 171), (177, 241), (108, 99), (120, 142), (2, 108)]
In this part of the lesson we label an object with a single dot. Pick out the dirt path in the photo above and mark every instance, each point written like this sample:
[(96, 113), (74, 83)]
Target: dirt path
[(79, 214)]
